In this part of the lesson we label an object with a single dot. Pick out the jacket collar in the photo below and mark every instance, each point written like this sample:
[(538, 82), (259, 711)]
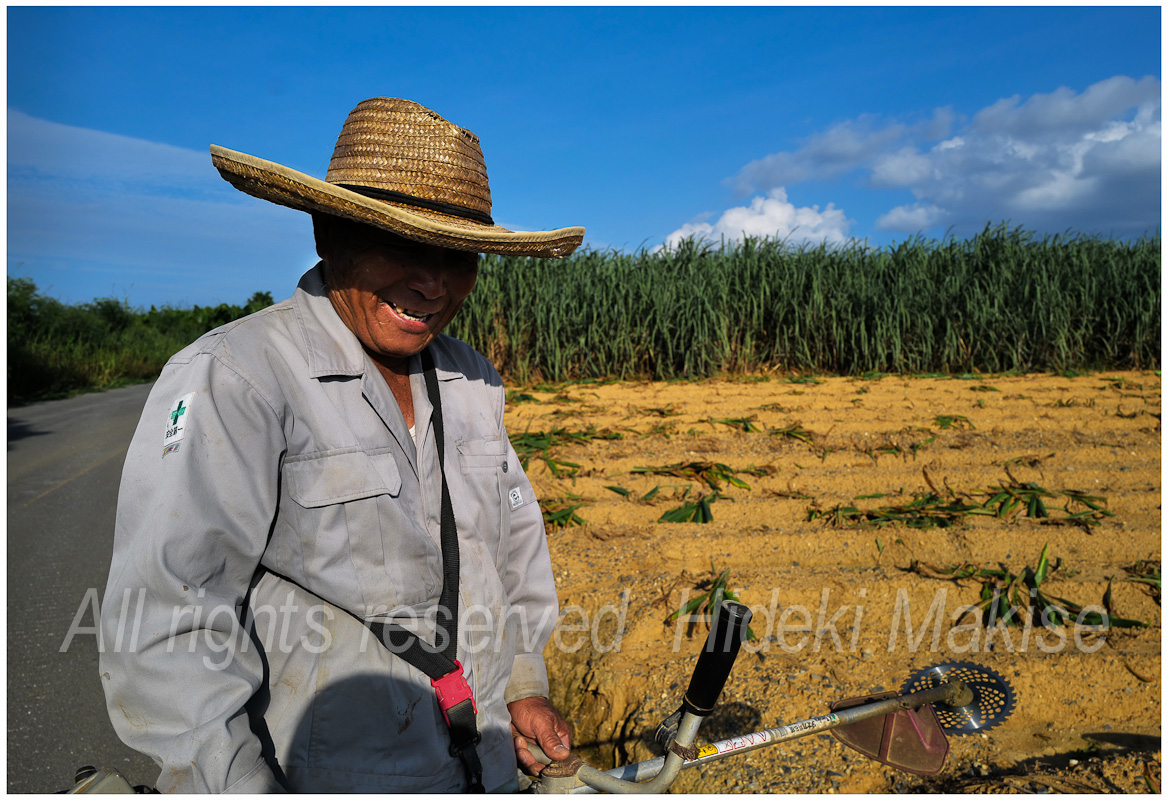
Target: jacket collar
[(331, 348)]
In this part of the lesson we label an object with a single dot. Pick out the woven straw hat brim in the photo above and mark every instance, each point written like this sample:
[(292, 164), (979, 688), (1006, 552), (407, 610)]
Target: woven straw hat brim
[(276, 183)]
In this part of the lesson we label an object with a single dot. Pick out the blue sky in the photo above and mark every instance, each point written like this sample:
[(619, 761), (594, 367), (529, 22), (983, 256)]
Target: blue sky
[(641, 124)]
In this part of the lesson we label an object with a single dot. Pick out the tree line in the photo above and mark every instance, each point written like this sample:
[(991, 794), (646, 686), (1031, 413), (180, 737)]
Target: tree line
[(58, 349)]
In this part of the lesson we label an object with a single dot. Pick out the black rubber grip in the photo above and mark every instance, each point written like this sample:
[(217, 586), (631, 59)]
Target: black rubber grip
[(716, 659)]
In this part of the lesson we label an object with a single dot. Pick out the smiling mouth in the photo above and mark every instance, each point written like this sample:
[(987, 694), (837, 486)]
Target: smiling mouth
[(414, 316)]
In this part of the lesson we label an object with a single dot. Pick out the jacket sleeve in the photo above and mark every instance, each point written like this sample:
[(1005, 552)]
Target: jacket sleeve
[(193, 522), (530, 585)]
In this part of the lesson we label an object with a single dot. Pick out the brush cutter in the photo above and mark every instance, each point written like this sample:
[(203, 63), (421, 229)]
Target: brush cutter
[(905, 730)]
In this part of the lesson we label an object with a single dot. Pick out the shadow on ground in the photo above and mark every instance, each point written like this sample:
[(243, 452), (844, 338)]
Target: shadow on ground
[(18, 429), (1108, 762)]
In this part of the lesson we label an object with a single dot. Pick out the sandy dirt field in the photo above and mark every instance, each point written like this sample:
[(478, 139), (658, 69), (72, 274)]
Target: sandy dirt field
[(840, 609)]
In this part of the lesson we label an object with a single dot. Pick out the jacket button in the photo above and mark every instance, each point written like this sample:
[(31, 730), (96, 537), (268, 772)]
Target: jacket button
[(504, 466)]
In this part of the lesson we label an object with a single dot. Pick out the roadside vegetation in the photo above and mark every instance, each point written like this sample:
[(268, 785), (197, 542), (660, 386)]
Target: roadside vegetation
[(56, 350), (1005, 300)]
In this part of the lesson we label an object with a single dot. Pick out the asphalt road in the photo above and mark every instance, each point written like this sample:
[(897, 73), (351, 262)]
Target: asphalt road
[(64, 465)]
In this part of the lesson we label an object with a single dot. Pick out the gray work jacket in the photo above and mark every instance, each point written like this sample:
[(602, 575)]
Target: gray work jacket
[(271, 480)]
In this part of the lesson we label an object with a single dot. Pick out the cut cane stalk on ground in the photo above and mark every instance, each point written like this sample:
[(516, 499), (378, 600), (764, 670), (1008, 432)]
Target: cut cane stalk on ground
[(538, 444), (710, 473), (561, 515), (1007, 500), (705, 605), (1018, 599), (697, 511)]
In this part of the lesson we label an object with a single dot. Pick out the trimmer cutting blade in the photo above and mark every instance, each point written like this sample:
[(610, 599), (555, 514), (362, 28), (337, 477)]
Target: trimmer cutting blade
[(993, 697)]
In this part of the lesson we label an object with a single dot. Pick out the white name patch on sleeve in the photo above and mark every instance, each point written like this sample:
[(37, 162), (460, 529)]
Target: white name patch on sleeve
[(516, 499), (176, 423)]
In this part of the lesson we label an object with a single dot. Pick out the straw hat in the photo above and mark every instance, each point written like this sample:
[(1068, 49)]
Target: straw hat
[(400, 167)]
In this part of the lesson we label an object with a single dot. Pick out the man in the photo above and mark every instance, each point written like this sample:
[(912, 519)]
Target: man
[(325, 543)]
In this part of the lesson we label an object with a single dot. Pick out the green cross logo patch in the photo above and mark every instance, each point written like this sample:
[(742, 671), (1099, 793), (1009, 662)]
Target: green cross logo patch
[(177, 419)]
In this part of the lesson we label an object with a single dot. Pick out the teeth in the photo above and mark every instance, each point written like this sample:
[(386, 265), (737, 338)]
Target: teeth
[(416, 315)]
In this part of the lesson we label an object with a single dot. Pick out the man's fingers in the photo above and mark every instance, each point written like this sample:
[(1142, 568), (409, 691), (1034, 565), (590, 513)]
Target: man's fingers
[(527, 760), (528, 747)]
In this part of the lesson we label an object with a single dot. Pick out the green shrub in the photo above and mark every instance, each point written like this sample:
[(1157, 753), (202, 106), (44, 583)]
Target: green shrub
[(55, 349)]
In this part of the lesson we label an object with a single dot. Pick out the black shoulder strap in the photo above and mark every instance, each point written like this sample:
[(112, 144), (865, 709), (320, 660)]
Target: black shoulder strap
[(455, 697), (448, 600)]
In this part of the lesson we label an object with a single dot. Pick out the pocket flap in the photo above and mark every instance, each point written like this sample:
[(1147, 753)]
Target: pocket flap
[(479, 453), (341, 477)]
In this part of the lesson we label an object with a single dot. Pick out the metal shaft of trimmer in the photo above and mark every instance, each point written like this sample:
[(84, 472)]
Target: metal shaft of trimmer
[(948, 693)]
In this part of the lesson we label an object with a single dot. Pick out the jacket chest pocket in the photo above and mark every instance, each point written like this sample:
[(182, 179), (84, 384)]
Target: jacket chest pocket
[(482, 469), (355, 521)]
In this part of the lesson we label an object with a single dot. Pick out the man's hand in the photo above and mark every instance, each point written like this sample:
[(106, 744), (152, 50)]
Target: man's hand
[(533, 719)]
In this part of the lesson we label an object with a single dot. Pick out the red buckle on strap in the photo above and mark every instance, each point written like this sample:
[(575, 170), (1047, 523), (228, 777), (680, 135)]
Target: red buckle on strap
[(452, 689)]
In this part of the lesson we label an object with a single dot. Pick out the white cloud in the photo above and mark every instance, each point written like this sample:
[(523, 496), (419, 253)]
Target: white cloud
[(771, 216), (905, 167), (1064, 113), (842, 148), (95, 214), (940, 126), (836, 151), (1087, 161), (915, 217)]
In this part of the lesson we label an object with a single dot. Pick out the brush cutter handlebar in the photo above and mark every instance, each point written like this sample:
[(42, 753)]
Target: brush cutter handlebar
[(717, 658)]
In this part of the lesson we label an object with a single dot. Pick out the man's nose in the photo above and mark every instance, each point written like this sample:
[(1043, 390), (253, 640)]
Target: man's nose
[(428, 277)]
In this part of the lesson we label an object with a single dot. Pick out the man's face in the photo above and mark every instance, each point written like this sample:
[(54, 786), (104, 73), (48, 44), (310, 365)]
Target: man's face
[(394, 294)]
